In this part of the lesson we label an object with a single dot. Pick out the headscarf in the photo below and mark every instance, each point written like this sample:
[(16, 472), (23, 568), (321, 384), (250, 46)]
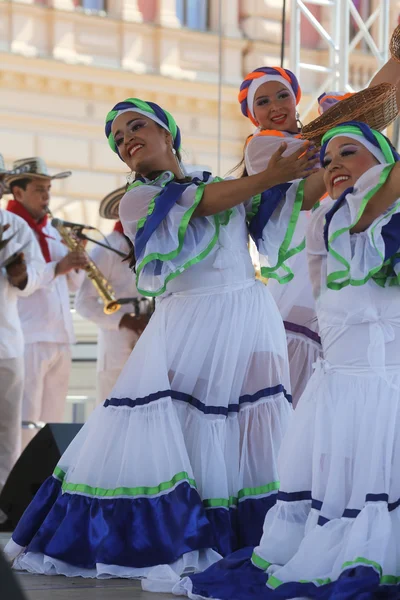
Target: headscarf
[(329, 99), (260, 76), (374, 141), (148, 109)]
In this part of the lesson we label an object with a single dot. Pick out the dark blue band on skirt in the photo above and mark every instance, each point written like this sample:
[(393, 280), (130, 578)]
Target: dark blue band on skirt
[(294, 496), (302, 330), (251, 516), (135, 532), (37, 511), (131, 532), (242, 525), (349, 513), (207, 410), (236, 577)]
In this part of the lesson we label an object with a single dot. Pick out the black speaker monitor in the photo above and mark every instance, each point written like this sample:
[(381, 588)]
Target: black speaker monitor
[(36, 463)]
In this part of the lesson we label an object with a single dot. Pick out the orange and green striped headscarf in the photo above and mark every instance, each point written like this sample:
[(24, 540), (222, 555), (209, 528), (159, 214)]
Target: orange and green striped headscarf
[(262, 75)]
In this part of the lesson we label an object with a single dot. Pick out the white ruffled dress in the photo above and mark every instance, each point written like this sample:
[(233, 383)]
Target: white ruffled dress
[(179, 466), (289, 284), (335, 530)]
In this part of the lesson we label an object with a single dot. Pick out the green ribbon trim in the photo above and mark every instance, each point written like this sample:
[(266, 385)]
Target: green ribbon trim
[(260, 562), (332, 279), (274, 582), (219, 220), (284, 253), (127, 491), (243, 494), (255, 205), (151, 491), (59, 474)]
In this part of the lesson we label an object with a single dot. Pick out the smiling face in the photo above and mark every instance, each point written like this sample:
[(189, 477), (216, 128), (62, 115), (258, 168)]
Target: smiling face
[(144, 146), (344, 163), (274, 107)]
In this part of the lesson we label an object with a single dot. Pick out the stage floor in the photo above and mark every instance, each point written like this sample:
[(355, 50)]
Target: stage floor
[(41, 587)]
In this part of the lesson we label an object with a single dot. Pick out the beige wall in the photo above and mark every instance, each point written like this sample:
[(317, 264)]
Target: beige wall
[(62, 69)]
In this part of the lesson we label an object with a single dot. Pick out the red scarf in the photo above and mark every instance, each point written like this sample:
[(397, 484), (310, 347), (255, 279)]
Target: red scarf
[(118, 227), (37, 226)]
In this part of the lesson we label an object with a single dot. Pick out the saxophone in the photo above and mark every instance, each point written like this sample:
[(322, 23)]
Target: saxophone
[(97, 278)]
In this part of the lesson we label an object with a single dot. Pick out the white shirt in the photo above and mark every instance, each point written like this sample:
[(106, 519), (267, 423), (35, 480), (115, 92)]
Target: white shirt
[(11, 336), (114, 344), (46, 315)]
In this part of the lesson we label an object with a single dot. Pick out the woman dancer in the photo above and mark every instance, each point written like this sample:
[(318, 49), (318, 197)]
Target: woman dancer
[(268, 97), (334, 532), (178, 466)]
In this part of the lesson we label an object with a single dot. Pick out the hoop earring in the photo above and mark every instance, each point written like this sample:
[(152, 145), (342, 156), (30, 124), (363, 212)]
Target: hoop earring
[(299, 123)]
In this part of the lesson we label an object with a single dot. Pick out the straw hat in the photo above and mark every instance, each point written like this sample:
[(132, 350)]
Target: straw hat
[(109, 206), (375, 106), (33, 167), (4, 171)]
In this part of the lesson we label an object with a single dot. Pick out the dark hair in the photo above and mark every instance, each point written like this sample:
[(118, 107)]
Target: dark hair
[(131, 254), (21, 183)]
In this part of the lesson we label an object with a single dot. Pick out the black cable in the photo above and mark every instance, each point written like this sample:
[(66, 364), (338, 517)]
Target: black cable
[(283, 33), (82, 236)]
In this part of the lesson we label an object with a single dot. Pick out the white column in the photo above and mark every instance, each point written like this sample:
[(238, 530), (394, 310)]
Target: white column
[(230, 17), (167, 14), (64, 4), (131, 12)]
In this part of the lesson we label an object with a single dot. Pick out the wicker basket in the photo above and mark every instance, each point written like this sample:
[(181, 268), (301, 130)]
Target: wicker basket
[(375, 106), (394, 47)]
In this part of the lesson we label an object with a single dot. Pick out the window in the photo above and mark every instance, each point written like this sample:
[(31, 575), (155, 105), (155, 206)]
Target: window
[(193, 13), (96, 5)]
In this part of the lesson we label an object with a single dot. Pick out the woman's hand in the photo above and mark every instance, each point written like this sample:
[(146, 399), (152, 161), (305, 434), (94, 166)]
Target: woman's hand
[(298, 165)]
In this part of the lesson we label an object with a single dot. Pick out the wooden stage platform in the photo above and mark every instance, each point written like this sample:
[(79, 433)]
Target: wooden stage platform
[(42, 587)]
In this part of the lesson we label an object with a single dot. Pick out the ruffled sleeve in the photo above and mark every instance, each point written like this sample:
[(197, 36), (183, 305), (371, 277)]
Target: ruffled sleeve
[(158, 220), (273, 215), (354, 259)]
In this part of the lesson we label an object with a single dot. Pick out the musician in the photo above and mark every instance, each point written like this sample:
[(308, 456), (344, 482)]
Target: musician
[(45, 315), (118, 332), (21, 270)]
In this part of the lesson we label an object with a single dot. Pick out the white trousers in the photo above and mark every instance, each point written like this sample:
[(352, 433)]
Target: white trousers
[(105, 383), (47, 371), (11, 390)]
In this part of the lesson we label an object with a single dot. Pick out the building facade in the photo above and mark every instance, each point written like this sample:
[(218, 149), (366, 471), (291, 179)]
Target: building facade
[(64, 63)]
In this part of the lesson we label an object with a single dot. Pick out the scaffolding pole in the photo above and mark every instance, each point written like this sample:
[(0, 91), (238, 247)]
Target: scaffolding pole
[(339, 14)]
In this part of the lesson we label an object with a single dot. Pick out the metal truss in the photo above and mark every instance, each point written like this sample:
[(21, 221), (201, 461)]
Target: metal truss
[(338, 39)]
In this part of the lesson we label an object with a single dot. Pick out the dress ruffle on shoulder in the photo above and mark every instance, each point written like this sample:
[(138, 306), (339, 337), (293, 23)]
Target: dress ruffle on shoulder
[(272, 220), (273, 215), (157, 217), (353, 259)]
